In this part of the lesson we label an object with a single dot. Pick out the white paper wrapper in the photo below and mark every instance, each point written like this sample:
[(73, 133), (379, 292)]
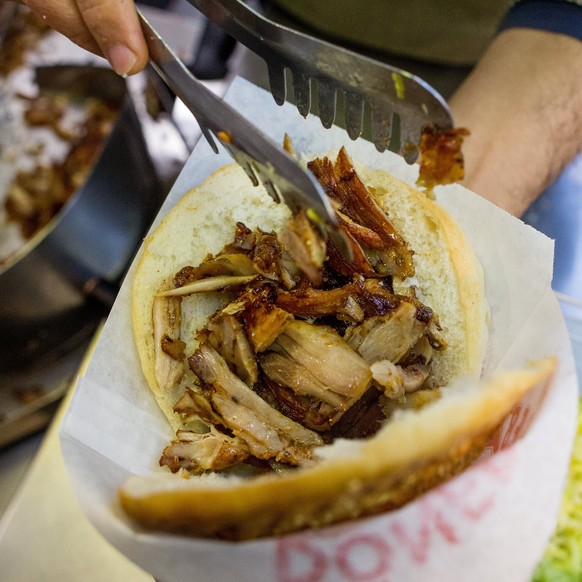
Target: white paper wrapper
[(489, 524)]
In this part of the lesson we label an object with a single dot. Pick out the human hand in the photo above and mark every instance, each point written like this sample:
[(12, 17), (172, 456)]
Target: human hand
[(108, 28), (522, 105)]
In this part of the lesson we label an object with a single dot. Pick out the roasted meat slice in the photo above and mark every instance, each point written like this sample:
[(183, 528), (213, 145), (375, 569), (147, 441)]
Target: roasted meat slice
[(283, 399), (315, 361), (268, 433), (284, 370), (414, 368), (362, 234), (264, 440), (310, 302), (410, 374), (306, 247), (193, 405), (359, 263), (173, 347), (263, 254), (441, 159), (372, 297), (228, 337), (167, 318), (266, 254), (362, 420), (197, 452), (361, 205), (398, 380), (387, 337), (224, 265), (326, 355), (264, 325), (244, 240)]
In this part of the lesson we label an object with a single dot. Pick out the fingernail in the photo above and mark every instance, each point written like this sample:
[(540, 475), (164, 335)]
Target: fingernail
[(122, 59)]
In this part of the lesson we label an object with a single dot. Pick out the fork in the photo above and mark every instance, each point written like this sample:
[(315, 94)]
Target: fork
[(261, 158), (395, 97)]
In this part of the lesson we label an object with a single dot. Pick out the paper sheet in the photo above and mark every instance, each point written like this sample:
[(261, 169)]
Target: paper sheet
[(491, 523)]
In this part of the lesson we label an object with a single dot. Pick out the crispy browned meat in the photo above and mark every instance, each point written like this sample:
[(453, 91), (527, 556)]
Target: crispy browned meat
[(243, 241), (262, 319), (362, 420), (228, 337), (361, 233), (359, 263), (441, 159), (305, 246), (230, 264), (264, 325), (370, 295), (173, 347), (267, 254), (342, 183), (283, 399)]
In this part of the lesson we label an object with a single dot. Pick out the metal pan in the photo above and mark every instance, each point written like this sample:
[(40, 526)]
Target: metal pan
[(56, 289)]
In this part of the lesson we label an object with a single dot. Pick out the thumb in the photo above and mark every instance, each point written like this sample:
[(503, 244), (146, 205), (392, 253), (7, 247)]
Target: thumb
[(108, 28), (115, 26)]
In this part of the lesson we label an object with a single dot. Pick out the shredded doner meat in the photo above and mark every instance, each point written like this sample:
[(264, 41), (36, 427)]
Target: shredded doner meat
[(308, 346)]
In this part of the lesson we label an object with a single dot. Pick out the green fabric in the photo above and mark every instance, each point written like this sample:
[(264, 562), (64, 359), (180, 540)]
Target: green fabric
[(454, 32), (562, 561)]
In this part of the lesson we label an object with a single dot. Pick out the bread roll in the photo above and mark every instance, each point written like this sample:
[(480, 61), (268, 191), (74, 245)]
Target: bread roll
[(413, 451)]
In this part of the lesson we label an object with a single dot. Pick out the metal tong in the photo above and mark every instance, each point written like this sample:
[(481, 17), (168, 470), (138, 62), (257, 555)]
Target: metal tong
[(395, 97), (262, 159)]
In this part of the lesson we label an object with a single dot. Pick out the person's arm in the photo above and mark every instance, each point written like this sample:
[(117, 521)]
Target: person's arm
[(522, 102), (523, 106), (108, 28)]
